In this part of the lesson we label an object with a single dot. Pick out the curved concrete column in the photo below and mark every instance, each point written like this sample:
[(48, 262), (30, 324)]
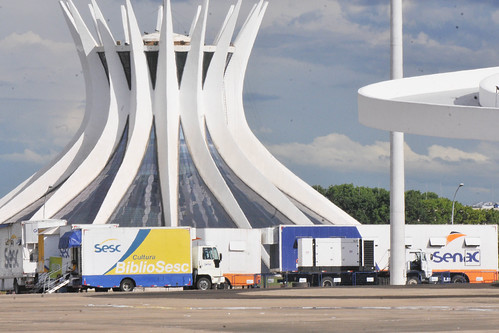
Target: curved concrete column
[(68, 160), (167, 118), (222, 138), (108, 139), (192, 119), (140, 122), (259, 156)]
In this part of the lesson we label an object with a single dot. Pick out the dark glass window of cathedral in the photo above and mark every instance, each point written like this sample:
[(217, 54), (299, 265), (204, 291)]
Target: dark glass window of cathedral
[(198, 207), (259, 212), (141, 205)]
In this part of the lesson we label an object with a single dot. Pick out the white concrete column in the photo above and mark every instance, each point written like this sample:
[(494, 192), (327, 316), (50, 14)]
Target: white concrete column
[(397, 187)]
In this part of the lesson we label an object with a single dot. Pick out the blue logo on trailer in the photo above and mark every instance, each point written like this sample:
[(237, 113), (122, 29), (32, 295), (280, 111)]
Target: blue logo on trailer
[(468, 257), (291, 234), (107, 248)]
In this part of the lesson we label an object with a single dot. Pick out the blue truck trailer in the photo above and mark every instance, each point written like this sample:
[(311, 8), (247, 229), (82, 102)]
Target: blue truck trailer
[(323, 256)]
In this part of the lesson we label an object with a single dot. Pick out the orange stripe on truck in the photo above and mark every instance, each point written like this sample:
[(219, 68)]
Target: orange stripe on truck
[(475, 275), (242, 280)]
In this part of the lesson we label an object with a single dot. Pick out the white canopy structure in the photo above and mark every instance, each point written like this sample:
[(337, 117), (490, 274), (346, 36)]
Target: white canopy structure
[(164, 140), (453, 105)]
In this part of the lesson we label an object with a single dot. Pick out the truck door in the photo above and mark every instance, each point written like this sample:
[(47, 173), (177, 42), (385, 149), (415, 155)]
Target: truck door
[(210, 258), (209, 261), (76, 260), (425, 265), (414, 261)]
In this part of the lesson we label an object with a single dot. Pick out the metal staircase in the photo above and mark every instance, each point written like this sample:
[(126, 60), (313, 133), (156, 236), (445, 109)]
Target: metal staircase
[(48, 285)]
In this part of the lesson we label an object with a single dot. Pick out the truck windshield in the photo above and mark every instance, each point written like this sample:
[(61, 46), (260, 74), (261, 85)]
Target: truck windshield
[(210, 253), (415, 256)]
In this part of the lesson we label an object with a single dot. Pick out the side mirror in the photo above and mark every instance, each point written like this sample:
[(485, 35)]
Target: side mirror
[(220, 256)]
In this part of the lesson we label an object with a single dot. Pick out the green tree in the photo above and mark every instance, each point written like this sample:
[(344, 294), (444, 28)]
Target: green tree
[(372, 206), (369, 206)]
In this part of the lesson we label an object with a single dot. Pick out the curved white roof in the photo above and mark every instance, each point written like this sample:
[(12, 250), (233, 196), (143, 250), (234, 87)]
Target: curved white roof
[(454, 105)]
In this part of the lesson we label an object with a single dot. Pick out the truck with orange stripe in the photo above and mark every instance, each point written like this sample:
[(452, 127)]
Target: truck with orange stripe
[(434, 253), (458, 253)]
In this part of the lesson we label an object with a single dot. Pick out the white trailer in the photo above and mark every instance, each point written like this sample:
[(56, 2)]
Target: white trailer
[(459, 253), (242, 252), (24, 251)]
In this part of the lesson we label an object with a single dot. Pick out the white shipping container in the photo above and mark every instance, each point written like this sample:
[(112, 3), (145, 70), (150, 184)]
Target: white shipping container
[(241, 251)]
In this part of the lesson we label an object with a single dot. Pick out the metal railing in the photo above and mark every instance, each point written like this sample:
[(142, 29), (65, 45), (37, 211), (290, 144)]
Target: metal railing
[(49, 282)]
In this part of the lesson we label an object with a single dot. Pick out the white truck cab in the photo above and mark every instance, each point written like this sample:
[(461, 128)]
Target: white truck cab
[(418, 266), (206, 267)]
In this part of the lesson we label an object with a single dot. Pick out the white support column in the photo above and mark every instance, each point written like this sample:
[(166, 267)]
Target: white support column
[(397, 199)]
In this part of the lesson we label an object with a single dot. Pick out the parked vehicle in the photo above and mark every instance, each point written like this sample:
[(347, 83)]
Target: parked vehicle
[(242, 264), (334, 255), (125, 258), (26, 247), (456, 253)]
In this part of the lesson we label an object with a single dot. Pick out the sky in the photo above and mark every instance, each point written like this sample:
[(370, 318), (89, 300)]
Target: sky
[(309, 60)]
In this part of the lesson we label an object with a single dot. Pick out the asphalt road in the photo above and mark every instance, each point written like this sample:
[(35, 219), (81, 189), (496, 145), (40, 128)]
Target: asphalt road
[(420, 308)]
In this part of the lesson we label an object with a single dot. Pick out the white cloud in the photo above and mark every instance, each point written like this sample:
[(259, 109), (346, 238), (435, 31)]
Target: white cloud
[(34, 67), (321, 19), (454, 155), (335, 151), (265, 130), (29, 38), (29, 156), (340, 153)]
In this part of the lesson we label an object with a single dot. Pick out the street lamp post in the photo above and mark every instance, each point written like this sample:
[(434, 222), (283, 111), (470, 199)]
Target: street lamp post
[(453, 202)]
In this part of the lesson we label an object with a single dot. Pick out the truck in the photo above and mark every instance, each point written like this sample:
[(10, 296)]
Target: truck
[(125, 258), (333, 255), (457, 253), (26, 247), (242, 250)]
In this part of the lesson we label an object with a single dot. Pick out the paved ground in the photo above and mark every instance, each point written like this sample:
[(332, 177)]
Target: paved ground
[(339, 309)]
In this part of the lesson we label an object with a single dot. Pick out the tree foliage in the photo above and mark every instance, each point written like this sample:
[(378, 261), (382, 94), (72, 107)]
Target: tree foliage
[(372, 206)]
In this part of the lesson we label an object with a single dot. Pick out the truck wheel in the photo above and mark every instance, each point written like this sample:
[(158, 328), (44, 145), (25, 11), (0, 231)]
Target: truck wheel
[(17, 287), (327, 282), (459, 279), (203, 283), (412, 280), (127, 285)]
